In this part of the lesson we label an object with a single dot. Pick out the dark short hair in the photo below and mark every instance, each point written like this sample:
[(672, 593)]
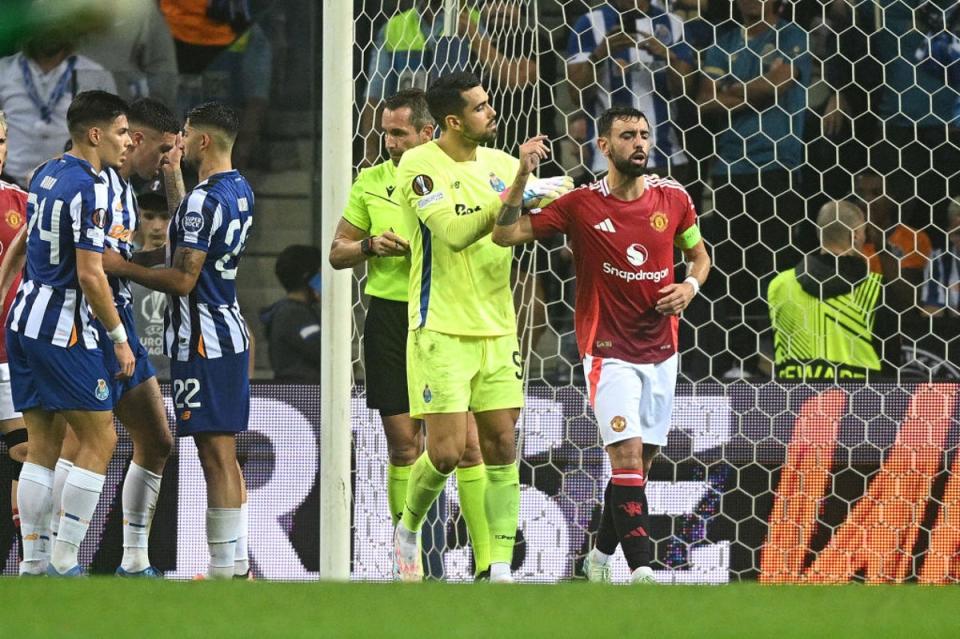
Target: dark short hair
[(296, 264), (415, 100), (153, 201), (154, 114), (605, 122), (215, 115), (445, 95), (92, 108)]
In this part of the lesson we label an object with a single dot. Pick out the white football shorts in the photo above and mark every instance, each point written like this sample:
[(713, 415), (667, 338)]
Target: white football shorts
[(631, 400), (6, 397)]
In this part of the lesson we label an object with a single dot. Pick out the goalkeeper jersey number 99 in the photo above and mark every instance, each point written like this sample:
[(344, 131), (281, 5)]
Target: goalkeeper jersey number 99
[(457, 292)]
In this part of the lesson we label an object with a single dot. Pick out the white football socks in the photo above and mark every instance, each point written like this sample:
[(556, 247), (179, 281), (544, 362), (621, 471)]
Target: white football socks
[(241, 560), (60, 472), (223, 527), (81, 493), (35, 497), (141, 488)]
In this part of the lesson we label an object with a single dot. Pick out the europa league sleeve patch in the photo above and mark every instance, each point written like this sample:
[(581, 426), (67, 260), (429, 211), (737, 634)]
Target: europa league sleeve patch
[(422, 185), (99, 218)]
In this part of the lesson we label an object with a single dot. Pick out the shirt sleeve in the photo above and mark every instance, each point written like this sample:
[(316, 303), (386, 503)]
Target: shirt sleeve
[(88, 213), (581, 42), (198, 221), (356, 210), (550, 220), (688, 233), (427, 192)]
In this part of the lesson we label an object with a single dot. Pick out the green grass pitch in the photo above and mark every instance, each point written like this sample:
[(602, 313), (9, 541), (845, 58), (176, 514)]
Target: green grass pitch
[(111, 608)]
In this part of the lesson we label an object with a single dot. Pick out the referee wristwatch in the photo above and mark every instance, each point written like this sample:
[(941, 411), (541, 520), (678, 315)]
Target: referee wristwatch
[(366, 248)]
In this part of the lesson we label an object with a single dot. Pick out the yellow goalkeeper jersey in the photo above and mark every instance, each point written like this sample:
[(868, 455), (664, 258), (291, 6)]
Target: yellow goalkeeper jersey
[(458, 286)]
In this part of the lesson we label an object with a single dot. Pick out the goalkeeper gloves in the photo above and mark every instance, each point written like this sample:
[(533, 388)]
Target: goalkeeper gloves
[(541, 191)]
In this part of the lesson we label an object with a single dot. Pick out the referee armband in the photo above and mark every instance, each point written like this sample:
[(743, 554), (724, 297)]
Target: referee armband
[(689, 238)]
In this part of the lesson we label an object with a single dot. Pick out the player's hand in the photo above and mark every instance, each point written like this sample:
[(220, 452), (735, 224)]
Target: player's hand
[(389, 244), (173, 156), (540, 192), (651, 45), (614, 41), (674, 298), (125, 359), (532, 152)]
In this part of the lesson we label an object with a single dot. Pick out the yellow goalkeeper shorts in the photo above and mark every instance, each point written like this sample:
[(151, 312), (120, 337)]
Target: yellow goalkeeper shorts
[(455, 373)]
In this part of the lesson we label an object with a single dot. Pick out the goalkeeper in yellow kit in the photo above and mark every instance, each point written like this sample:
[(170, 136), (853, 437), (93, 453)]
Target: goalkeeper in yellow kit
[(462, 350)]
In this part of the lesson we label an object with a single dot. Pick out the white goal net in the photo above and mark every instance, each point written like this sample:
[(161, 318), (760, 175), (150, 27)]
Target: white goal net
[(765, 111)]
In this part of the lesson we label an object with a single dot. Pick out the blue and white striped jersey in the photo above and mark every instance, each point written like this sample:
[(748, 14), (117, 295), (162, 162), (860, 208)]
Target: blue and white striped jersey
[(123, 215), (641, 84), (66, 211), (215, 217)]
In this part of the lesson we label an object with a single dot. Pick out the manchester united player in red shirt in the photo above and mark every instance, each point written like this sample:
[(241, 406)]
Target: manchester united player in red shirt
[(623, 230), (13, 208)]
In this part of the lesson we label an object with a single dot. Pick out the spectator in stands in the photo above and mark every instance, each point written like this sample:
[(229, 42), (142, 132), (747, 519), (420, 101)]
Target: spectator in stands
[(137, 48), (758, 67), (148, 305), (411, 48), (828, 314), (941, 292), (240, 76), (897, 251), (293, 323), (919, 146), (629, 53), (838, 128), (201, 29), (36, 87)]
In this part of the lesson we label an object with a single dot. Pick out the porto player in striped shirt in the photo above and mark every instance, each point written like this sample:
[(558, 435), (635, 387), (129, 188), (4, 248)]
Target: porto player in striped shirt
[(54, 338), (205, 336), (623, 230)]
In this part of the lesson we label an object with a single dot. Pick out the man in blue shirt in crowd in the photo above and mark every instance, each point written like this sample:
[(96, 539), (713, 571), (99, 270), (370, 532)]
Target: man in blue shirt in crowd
[(755, 81)]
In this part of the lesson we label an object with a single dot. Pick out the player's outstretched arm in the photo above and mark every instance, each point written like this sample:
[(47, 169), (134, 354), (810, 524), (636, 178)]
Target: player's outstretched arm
[(13, 261), (178, 279), (512, 228)]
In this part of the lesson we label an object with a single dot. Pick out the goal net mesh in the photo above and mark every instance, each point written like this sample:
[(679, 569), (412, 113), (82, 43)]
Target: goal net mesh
[(762, 478)]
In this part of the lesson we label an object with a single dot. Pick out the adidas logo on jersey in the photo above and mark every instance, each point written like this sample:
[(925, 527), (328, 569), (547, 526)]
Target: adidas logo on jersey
[(606, 226), (48, 182)]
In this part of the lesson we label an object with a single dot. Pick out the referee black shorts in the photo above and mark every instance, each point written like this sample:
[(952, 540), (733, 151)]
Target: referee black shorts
[(385, 356)]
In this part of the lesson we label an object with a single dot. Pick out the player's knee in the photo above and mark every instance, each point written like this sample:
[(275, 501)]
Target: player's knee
[(18, 453), (471, 457), (162, 445), (498, 449), (445, 461), (16, 441), (627, 454), (404, 455)]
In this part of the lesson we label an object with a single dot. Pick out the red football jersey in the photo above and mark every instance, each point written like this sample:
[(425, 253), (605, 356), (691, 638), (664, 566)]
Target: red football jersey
[(13, 213), (623, 252)]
